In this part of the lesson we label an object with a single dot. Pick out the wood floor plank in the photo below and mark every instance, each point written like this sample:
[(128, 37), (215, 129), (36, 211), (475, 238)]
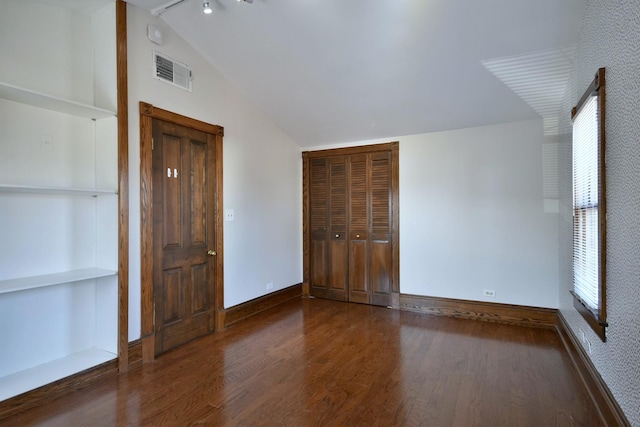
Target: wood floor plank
[(312, 362)]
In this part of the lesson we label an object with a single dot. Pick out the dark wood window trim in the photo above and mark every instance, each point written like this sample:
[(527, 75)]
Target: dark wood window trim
[(597, 319)]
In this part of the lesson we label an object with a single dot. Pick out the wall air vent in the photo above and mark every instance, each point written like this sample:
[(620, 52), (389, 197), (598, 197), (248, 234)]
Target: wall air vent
[(171, 71)]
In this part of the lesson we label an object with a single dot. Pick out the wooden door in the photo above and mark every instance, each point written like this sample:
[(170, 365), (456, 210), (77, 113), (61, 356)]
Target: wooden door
[(380, 237), (183, 233), (359, 214), (329, 228), (350, 228), (370, 249)]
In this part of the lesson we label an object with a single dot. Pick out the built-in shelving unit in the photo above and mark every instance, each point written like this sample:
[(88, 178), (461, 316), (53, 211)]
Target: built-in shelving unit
[(25, 283), (41, 100), (58, 201), (49, 372), (94, 192)]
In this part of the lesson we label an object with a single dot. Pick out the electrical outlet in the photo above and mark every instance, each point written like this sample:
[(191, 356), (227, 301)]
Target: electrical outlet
[(47, 142), (588, 346), (489, 293), (228, 215), (269, 286)]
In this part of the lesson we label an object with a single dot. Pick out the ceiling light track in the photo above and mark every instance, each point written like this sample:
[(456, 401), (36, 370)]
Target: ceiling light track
[(207, 10), (165, 7)]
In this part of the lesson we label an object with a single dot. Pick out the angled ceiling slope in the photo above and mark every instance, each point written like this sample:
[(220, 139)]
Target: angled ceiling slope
[(335, 71)]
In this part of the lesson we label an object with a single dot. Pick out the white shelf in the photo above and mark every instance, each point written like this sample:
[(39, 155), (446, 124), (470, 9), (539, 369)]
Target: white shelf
[(37, 99), (29, 379), (33, 282), (6, 188)]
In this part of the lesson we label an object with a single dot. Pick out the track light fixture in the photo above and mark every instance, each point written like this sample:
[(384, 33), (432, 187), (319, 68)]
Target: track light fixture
[(206, 7)]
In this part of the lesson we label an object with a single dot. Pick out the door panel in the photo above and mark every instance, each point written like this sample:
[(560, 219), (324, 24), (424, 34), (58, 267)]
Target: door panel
[(173, 291), (319, 268), (338, 275), (183, 231), (338, 251), (319, 213), (381, 272), (380, 193), (171, 192), (358, 280), (198, 163), (358, 226), (199, 298)]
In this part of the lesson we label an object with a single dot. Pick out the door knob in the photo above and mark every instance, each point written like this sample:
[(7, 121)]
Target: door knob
[(357, 236), (212, 252), (337, 236)]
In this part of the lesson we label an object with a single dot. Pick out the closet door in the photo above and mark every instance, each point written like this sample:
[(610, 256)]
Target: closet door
[(359, 214), (350, 230), (319, 225), (370, 260), (328, 249), (338, 251), (380, 229)]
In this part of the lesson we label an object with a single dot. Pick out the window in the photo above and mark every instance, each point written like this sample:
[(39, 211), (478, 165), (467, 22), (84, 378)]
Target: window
[(589, 219)]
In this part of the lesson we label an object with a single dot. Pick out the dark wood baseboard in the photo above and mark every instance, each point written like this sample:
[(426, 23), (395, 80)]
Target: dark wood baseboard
[(242, 311), (609, 409), (70, 384), (54, 390), (479, 310), (135, 354)]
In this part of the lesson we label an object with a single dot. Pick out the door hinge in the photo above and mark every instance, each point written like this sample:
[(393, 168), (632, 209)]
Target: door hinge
[(154, 315), (152, 143)]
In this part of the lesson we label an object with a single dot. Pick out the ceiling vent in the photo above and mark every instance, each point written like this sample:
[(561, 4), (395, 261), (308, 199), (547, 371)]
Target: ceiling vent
[(171, 71)]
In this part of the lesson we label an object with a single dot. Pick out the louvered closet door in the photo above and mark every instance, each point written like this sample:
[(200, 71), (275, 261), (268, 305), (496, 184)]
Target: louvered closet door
[(381, 258), (328, 258), (370, 251), (359, 208)]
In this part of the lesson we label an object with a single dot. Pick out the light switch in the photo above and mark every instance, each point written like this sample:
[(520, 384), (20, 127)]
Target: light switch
[(228, 215)]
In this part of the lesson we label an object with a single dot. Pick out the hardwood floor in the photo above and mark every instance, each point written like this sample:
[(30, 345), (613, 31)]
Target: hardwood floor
[(312, 362)]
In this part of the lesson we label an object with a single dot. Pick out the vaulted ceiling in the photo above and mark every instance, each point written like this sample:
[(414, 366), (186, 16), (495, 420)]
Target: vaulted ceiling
[(333, 71)]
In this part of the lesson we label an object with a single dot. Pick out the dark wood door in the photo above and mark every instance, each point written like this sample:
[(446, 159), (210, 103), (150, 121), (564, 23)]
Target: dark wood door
[(359, 214), (351, 227), (380, 229), (183, 233), (370, 249), (329, 249)]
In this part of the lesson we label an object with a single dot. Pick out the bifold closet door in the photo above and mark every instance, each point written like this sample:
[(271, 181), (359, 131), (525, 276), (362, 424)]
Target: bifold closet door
[(370, 249), (380, 235), (328, 205)]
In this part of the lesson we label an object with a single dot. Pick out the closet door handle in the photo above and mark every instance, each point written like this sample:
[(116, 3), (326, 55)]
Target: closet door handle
[(212, 253), (337, 236), (357, 236)]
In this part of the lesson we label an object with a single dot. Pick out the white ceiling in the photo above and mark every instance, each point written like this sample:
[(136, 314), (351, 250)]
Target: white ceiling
[(332, 71)]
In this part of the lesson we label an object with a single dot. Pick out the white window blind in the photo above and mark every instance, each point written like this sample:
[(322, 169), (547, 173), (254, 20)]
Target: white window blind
[(586, 193)]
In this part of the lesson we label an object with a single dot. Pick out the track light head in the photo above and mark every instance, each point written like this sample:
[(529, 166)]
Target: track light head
[(206, 8)]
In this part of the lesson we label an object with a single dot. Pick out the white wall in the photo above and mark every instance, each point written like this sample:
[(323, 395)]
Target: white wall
[(262, 170), (472, 216), (609, 38)]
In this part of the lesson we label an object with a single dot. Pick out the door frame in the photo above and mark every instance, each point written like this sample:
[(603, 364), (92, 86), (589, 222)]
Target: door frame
[(393, 148), (147, 113)]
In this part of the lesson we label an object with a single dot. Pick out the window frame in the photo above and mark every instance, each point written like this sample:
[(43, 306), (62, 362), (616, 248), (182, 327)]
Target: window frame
[(596, 317)]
